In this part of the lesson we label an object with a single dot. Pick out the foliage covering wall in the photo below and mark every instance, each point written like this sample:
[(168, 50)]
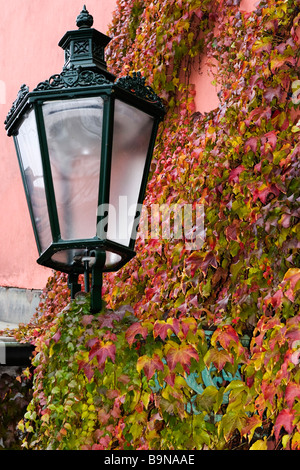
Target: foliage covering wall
[(196, 349)]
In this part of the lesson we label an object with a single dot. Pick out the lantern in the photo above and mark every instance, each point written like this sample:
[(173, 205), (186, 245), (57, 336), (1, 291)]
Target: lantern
[(84, 142)]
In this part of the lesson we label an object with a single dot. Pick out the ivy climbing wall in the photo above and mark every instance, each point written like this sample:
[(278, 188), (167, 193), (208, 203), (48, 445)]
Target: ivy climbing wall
[(197, 348)]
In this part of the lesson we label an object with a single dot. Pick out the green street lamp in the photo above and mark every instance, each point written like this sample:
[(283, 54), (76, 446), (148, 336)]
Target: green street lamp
[(84, 142)]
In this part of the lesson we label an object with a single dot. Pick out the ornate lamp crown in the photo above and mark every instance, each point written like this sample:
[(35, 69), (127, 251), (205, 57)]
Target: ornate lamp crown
[(85, 47), (84, 66)]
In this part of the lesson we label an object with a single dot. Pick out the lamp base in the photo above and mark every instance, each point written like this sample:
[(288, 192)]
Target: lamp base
[(97, 280), (97, 277)]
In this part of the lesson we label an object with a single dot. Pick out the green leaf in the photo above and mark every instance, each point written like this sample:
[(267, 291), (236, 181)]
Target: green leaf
[(232, 421)]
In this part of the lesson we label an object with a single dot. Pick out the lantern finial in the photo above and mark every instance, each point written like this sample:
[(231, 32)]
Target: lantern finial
[(84, 19)]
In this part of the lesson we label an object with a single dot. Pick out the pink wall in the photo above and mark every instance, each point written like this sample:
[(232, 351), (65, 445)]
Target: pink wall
[(206, 98), (29, 33)]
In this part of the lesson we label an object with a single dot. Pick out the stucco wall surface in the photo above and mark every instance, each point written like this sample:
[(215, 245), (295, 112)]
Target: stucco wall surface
[(29, 34)]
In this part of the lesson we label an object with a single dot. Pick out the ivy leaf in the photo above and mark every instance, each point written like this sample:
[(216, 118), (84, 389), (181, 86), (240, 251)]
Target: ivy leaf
[(87, 319), (219, 357), (275, 300), (87, 368), (293, 276), (234, 174), (271, 93), (225, 336), (231, 231), (188, 324), (134, 330), (211, 398), (149, 365), (181, 354), (272, 139), (102, 351), (161, 327), (264, 191), (196, 261), (57, 336), (252, 423), (261, 444), (284, 419), (231, 421), (210, 260), (292, 391), (251, 144)]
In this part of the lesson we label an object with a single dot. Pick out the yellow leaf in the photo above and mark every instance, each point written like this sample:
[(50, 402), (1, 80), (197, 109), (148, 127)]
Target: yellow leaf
[(45, 418), (145, 399), (259, 445), (296, 441), (285, 440)]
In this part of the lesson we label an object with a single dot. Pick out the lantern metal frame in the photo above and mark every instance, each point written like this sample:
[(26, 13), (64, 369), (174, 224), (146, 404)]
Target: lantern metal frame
[(85, 75)]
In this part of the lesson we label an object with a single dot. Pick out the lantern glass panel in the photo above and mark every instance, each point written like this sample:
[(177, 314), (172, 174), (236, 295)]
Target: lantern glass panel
[(74, 136), (31, 162), (131, 139)]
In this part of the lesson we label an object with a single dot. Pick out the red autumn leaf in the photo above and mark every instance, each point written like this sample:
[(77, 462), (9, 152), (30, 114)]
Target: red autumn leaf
[(231, 231), (133, 330), (106, 321), (284, 419), (272, 138), (292, 391), (188, 324), (265, 323), (234, 174), (103, 351), (57, 336), (88, 369), (103, 418), (275, 300), (269, 390), (251, 424), (251, 144), (90, 343), (210, 260), (293, 276), (150, 365), (194, 260), (181, 354), (87, 319), (264, 191), (271, 93), (170, 379), (161, 327), (153, 294), (107, 350)]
